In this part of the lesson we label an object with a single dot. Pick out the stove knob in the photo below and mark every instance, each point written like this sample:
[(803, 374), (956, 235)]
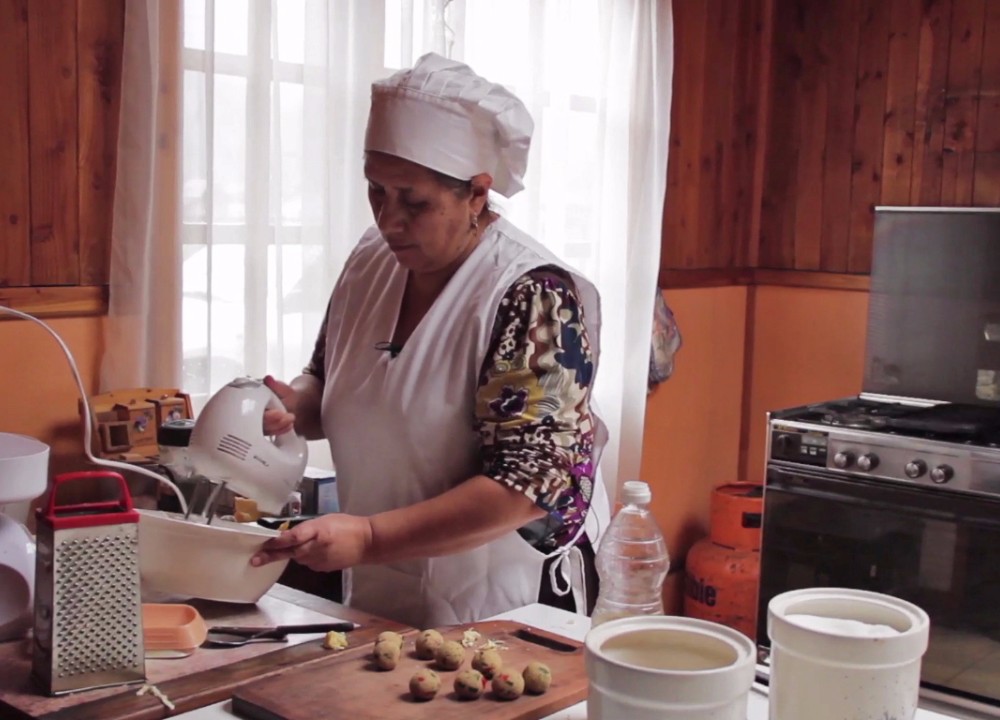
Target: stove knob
[(915, 468), (868, 461), (843, 459), (783, 443), (942, 474)]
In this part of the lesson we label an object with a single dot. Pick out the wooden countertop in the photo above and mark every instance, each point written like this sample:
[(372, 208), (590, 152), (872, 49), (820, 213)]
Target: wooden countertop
[(206, 677)]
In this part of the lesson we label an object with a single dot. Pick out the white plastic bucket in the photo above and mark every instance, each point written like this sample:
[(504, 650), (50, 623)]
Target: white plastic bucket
[(667, 668), (839, 653)]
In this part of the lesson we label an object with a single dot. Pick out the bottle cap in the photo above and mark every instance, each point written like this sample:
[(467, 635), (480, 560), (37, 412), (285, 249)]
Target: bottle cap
[(636, 492)]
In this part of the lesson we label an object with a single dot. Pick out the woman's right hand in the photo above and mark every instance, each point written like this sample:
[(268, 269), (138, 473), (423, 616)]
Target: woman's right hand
[(278, 422)]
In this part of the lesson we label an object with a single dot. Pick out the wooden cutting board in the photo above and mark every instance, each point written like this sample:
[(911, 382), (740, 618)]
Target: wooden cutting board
[(349, 686)]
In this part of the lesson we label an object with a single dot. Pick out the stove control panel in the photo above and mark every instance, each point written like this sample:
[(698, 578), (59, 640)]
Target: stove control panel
[(923, 466), (808, 447), (945, 466)]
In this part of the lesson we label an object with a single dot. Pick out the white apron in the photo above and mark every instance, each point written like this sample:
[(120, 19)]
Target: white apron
[(401, 429)]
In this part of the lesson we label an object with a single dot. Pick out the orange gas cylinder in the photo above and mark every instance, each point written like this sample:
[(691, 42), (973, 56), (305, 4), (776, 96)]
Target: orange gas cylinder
[(722, 571)]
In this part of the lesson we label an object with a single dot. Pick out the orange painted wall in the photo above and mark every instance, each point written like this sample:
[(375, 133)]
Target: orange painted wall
[(691, 439), (808, 345), (805, 345), (38, 396)]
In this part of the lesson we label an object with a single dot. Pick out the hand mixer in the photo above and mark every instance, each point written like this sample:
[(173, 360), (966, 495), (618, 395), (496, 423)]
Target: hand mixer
[(229, 448)]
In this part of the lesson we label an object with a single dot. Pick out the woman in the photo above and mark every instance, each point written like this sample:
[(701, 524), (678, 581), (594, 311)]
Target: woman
[(452, 376)]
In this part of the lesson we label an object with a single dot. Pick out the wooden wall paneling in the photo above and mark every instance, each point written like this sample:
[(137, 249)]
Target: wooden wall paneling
[(692, 66), (717, 192), (812, 96), (962, 103), (841, 40), (15, 257), (866, 181), (752, 119), (55, 252), (99, 60), (672, 249), (900, 101), (986, 181), (777, 219), (932, 87), (744, 129), (678, 247)]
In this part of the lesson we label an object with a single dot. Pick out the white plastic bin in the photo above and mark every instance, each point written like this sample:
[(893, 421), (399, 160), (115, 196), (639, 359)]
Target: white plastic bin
[(668, 668), (838, 653)]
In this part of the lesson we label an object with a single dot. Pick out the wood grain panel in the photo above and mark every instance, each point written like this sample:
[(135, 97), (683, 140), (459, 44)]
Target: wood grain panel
[(932, 86), (56, 301), (962, 102), (986, 183), (811, 136), (99, 59), (692, 65), (15, 257), (720, 91), (55, 252), (673, 250), (753, 123), (840, 40), (864, 102), (866, 183), (777, 221), (900, 101)]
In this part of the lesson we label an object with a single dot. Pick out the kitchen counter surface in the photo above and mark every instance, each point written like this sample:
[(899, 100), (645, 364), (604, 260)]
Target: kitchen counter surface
[(203, 683), (576, 626)]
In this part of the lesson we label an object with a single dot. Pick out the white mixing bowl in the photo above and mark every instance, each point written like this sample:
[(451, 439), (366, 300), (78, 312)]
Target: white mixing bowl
[(181, 558)]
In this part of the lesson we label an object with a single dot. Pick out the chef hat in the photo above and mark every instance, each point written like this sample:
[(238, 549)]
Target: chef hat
[(441, 115)]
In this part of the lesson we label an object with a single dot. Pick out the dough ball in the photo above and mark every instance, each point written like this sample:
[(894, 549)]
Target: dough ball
[(488, 662), (335, 640), (508, 685), (450, 655), (386, 655), (537, 678), (390, 636), (424, 684), (469, 684), (428, 643)]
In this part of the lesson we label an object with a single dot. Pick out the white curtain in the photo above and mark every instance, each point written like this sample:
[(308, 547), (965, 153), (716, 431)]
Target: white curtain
[(142, 337), (276, 97)]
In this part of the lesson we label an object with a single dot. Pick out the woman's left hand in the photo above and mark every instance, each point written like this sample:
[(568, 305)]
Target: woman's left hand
[(331, 542)]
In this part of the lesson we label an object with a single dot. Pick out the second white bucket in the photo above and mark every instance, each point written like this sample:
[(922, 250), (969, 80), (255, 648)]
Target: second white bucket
[(839, 653), (660, 667)]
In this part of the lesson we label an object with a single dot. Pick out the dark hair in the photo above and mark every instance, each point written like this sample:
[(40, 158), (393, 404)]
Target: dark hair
[(461, 188)]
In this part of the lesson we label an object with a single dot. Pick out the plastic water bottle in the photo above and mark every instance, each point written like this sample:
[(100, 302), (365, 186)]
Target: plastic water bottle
[(632, 560)]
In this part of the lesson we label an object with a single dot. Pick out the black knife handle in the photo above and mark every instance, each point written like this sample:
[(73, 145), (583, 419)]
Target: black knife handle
[(282, 630)]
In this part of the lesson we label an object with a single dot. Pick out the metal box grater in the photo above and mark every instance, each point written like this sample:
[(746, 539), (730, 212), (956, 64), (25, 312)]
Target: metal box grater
[(88, 610)]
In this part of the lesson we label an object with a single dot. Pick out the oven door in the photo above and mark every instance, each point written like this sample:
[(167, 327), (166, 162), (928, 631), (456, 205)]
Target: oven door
[(937, 549)]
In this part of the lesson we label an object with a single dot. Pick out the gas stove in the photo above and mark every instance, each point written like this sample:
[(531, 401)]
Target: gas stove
[(897, 490), (938, 446)]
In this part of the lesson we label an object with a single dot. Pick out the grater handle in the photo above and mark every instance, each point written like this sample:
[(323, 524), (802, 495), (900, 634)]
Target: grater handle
[(89, 514)]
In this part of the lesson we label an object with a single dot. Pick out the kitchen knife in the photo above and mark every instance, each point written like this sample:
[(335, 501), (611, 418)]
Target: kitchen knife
[(240, 635)]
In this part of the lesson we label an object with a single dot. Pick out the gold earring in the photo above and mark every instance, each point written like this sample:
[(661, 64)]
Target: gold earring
[(474, 223)]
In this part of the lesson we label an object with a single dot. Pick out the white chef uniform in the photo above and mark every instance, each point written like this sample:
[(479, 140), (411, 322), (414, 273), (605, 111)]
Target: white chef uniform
[(401, 429)]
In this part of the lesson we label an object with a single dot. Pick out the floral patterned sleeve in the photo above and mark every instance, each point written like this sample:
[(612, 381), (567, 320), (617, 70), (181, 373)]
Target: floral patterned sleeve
[(533, 400)]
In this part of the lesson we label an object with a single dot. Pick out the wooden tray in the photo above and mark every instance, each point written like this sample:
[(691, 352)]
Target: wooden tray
[(349, 686)]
